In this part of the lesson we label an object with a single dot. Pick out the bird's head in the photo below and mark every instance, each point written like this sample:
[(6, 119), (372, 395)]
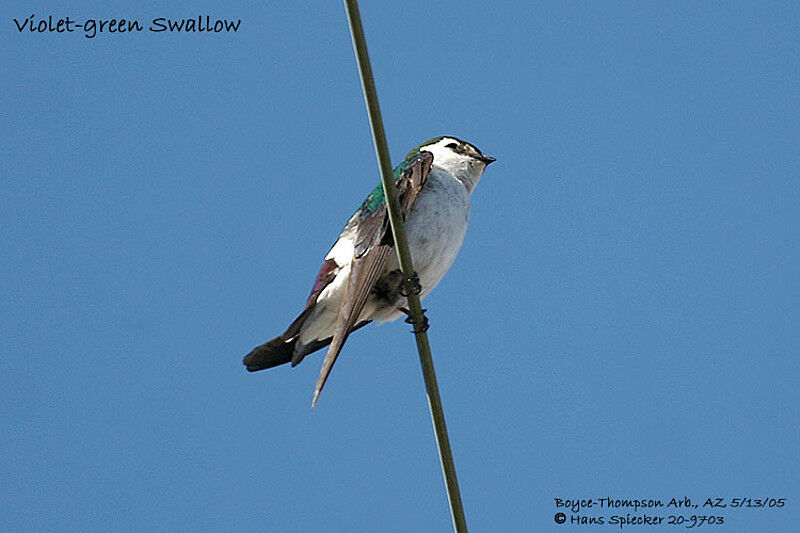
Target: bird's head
[(459, 158)]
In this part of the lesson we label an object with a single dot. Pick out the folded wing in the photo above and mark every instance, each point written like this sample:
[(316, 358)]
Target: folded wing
[(373, 244)]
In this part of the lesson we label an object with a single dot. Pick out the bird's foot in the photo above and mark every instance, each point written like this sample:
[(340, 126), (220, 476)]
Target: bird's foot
[(410, 285), (421, 328)]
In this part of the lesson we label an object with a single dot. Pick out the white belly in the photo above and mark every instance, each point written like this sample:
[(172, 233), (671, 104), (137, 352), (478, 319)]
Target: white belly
[(435, 229)]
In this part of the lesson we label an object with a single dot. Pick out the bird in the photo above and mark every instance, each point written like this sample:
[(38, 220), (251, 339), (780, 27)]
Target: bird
[(360, 281)]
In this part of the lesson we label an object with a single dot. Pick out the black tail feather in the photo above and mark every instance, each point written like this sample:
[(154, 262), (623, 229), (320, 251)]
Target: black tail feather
[(279, 352), (273, 353)]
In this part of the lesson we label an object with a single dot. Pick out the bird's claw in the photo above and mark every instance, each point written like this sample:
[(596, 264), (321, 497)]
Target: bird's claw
[(421, 328), (410, 285)]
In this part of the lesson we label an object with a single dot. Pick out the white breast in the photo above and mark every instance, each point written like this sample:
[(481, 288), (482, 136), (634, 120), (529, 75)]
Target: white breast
[(436, 227)]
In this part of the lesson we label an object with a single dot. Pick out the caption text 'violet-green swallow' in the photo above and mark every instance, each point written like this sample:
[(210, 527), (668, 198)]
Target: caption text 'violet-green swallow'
[(360, 280)]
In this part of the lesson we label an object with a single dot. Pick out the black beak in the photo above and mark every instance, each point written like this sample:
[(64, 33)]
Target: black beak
[(487, 159)]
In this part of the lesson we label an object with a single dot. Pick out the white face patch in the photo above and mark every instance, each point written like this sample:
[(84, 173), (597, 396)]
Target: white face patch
[(467, 168), (442, 156)]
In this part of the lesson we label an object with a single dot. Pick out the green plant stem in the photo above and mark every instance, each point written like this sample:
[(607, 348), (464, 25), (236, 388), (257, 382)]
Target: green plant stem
[(404, 258)]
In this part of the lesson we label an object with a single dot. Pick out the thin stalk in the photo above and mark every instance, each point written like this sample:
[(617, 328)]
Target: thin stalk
[(404, 258)]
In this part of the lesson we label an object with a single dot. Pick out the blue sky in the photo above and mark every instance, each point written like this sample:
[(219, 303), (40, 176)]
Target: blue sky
[(621, 321)]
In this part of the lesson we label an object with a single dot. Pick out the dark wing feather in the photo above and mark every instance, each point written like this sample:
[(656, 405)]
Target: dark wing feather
[(326, 274), (373, 244), (417, 173)]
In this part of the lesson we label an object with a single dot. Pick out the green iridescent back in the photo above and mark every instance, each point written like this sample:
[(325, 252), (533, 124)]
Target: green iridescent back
[(377, 198)]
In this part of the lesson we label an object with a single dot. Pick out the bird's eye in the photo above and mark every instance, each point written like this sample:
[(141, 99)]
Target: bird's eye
[(453, 146)]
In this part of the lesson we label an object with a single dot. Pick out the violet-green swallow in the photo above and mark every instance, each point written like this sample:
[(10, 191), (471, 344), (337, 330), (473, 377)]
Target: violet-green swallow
[(360, 280)]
